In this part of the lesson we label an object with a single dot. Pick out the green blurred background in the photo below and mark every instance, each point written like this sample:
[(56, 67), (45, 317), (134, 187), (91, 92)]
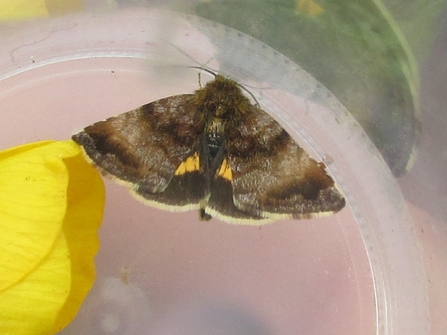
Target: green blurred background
[(365, 52)]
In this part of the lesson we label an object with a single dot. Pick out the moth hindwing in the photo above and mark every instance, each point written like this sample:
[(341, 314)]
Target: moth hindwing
[(213, 151)]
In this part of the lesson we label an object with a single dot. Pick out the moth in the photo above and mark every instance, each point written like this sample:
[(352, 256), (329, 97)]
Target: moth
[(213, 151)]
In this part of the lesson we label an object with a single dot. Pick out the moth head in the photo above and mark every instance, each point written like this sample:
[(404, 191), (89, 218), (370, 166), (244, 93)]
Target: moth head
[(222, 98)]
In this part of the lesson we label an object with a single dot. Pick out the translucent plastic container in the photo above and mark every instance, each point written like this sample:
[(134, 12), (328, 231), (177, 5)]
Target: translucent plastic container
[(374, 268)]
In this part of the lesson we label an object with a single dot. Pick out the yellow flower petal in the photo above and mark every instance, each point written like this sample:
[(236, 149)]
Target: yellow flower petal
[(33, 201), (51, 204), (26, 9), (82, 221), (22, 9), (29, 306), (308, 7)]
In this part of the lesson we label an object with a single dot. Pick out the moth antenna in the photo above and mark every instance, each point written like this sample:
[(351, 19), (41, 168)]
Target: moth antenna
[(210, 72), (204, 69), (199, 77), (215, 74), (251, 94)]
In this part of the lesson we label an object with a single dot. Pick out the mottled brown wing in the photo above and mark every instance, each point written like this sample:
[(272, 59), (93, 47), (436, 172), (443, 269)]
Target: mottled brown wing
[(272, 176), (221, 204), (146, 147)]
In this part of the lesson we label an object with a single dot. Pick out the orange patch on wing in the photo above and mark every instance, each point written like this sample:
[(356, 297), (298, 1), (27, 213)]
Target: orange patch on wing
[(191, 164), (225, 171)]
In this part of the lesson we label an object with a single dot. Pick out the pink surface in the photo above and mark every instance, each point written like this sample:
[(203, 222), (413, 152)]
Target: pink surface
[(168, 273), (297, 277)]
